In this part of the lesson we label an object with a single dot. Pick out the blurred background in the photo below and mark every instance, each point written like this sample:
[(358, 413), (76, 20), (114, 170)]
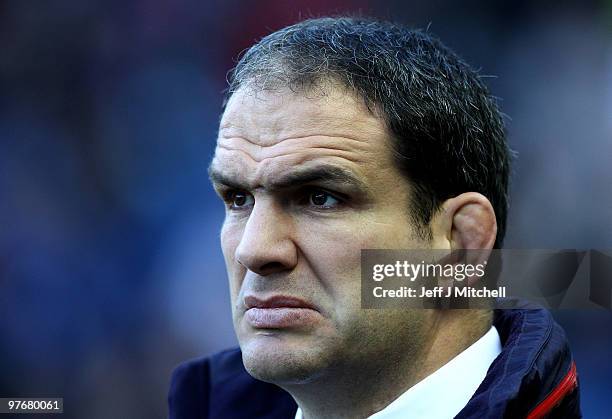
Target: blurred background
[(110, 268)]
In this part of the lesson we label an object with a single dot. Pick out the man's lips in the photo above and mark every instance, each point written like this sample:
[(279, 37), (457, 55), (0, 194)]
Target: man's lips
[(279, 312), (276, 301)]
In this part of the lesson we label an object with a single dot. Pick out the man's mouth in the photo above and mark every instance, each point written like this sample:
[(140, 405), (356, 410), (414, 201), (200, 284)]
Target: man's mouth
[(279, 312)]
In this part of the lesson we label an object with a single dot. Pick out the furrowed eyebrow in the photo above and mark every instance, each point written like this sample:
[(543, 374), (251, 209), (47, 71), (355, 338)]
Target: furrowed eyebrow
[(219, 178), (298, 177)]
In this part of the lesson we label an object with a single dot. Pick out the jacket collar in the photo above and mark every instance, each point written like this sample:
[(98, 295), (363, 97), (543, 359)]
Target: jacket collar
[(535, 359)]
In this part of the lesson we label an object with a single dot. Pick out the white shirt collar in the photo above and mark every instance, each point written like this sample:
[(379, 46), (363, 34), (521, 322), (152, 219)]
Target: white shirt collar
[(445, 392)]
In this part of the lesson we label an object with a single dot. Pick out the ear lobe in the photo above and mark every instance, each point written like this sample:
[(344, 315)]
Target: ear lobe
[(472, 221)]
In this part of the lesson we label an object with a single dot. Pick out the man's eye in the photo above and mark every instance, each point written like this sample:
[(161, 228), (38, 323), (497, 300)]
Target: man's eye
[(322, 199), (239, 200)]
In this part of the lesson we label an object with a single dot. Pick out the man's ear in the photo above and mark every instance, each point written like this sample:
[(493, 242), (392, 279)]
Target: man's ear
[(466, 221)]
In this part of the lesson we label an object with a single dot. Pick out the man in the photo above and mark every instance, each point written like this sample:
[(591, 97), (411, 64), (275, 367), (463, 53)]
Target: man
[(347, 134)]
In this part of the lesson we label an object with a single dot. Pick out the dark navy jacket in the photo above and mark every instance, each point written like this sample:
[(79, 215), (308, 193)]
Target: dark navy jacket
[(533, 377)]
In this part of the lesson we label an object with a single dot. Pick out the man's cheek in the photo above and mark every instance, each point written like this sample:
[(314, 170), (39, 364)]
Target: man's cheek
[(231, 234), (343, 278), (230, 239)]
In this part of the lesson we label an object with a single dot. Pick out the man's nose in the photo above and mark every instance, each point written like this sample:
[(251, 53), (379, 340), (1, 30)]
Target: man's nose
[(267, 246)]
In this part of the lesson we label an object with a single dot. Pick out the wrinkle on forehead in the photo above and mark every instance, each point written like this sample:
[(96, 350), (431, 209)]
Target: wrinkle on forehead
[(352, 149), (263, 136), (267, 119), (238, 164)]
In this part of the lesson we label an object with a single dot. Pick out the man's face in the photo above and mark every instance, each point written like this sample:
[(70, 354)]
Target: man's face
[(309, 182)]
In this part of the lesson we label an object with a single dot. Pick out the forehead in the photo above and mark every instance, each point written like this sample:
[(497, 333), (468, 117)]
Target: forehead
[(263, 134), (269, 117)]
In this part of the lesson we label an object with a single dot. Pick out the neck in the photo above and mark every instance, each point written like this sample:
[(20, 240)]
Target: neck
[(360, 390)]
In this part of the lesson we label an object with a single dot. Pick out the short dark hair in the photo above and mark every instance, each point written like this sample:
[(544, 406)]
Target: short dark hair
[(448, 133)]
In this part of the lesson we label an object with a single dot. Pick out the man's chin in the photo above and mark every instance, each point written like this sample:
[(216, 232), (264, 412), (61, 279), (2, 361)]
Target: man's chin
[(281, 360)]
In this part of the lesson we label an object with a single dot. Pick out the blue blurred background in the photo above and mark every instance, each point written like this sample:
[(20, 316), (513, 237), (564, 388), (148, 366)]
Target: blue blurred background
[(110, 267)]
